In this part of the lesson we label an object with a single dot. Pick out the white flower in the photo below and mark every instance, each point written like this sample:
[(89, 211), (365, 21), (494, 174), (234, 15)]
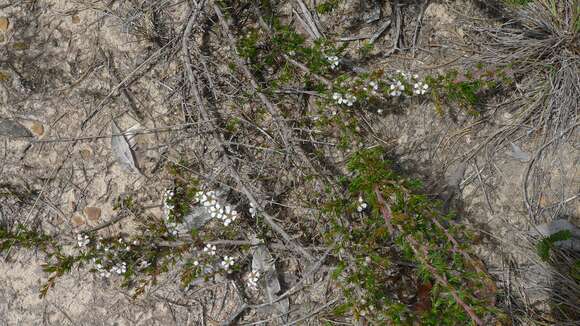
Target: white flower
[(195, 263), (210, 249), (253, 210), (119, 268), (253, 278), (361, 205), (198, 197), (420, 88), (216, 212), (397, 88), (230, 215), (172, 228), (83, 240), (144, 264), (349, 99), (227, 262), (333, 60)]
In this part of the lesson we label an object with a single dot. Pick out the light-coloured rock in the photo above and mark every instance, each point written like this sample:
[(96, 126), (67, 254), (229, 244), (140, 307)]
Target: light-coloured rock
[(4, 24), (77, 220), (93, 214)]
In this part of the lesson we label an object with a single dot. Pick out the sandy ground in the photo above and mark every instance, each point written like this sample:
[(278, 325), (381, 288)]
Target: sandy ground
[(65, 58)]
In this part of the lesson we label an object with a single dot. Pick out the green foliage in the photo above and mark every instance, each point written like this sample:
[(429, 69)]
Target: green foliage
[(377, 263), (327, 6), (546, 244), (467, 88), (248, 45)]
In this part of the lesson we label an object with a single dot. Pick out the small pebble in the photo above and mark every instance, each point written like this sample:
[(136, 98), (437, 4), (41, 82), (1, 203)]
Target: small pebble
[(37, 129), (92, 213), (4, 23), (77, 220)]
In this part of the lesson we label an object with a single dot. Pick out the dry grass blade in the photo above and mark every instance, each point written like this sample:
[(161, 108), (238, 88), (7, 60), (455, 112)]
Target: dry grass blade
[(263, 262), (122, 150)]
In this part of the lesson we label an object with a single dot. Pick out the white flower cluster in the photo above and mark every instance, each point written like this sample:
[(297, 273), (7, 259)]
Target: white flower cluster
[(347, 99), (83, 240), (103, 272), (209, 200), (333, 60), (119, 268), (144, 264), (172, 227), (397, 88), (253, 278), (420, 88), (361, 204), (210, 249), (227, 262), (168, 196)]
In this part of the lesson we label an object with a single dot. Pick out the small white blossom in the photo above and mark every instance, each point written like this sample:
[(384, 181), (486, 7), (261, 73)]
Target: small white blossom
[(210, 249), (334, 61), (195, 263), (361, 205), (83, 240), (119, 268), (172, 228), (397, 88), (420, 88), (253, 278), (347, 99), (227, 262), (144, 264), (253, 210)]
